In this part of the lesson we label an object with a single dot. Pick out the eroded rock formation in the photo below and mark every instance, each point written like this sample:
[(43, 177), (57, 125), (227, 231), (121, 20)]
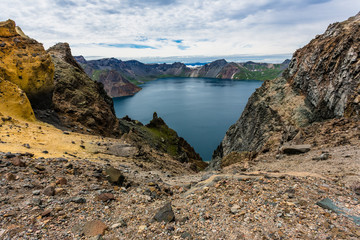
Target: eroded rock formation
[(25, 63), (321, 82), (80, 101)]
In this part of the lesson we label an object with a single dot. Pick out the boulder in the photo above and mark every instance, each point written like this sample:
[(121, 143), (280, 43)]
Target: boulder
[(165, 214), (296, 149), (115, 176)]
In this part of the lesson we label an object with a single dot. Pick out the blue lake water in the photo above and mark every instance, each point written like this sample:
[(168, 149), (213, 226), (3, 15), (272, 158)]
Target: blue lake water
[(199, 109)]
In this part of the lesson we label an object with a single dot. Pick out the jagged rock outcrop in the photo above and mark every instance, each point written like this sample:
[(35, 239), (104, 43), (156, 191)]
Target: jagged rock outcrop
[(156, 136), (321, 82), (81, 102), (25, 63)]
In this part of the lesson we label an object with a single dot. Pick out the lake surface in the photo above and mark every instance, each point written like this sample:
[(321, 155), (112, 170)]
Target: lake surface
[(199, 109)]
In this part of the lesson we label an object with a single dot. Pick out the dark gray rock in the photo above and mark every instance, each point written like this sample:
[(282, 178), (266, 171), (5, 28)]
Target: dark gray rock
[(296, 149), (77, 200), (165, 214), (49, 191)]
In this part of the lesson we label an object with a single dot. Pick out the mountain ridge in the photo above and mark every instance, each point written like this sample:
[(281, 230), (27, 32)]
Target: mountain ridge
[(137, 73)]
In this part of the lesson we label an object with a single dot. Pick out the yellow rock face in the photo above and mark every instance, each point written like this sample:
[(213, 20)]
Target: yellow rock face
[(14, 102), (24, 61)]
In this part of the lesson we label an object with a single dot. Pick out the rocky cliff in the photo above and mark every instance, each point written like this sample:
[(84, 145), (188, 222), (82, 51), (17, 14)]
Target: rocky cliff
[(81, 102), (116, 85), (25, 63), (321, 82), (116, 75)]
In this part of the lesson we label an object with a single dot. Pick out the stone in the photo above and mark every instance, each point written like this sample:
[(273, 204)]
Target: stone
[(46, 212), (235, 209), (49, 191), (105, 197), (36, 192), (40, 168), (78, 200), (16, 161), (165, 214), (296, 149), (61, 181), (142, 228), (10, 177), (94, 228), (186, 235), (115, 176), (59, 191), (323, 156), (26, 145)]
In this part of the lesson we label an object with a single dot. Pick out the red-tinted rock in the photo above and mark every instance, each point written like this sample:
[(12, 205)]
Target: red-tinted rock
[(94, 228)]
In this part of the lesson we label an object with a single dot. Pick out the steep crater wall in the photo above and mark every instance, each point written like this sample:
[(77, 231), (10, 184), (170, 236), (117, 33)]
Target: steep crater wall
[(321, 82)]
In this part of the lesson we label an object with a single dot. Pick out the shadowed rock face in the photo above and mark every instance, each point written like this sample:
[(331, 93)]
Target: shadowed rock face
[(25, 63), (79, 100), (321, 82)]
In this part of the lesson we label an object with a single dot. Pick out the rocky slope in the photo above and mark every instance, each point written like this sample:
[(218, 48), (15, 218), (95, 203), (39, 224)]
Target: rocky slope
[(322, 82), (115, 85), (116, 74), (57, 184)]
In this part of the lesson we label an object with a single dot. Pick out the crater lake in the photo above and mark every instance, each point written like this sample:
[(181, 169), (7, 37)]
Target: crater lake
[(199, 109)]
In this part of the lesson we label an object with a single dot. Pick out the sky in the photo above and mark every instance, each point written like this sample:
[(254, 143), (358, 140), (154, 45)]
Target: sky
[(178, 30)]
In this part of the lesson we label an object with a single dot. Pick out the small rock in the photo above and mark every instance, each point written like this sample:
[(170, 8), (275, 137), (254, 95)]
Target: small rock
[(49, 191), (10, 177), (61, 181), (40, 168), (66, 133), (323, 156), (78, 200), (105, 197), (59, 191), (186, 235), (36, 192), (94, 228), (165, 214), (142, 228), (68, 166), (16, 161), (36, 202), (9, 155), (26, 145), (235, 209), (296, 149), (115, 176), (46, 212)]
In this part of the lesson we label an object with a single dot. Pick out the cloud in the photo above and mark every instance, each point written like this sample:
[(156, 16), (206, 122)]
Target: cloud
[(125, 45), (149, 28)]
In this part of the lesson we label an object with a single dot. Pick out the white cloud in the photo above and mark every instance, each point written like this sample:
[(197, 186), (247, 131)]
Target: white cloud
[(207, 27)]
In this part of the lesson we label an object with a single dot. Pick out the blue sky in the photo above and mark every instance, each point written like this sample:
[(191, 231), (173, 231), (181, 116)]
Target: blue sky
[(179, 29)]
